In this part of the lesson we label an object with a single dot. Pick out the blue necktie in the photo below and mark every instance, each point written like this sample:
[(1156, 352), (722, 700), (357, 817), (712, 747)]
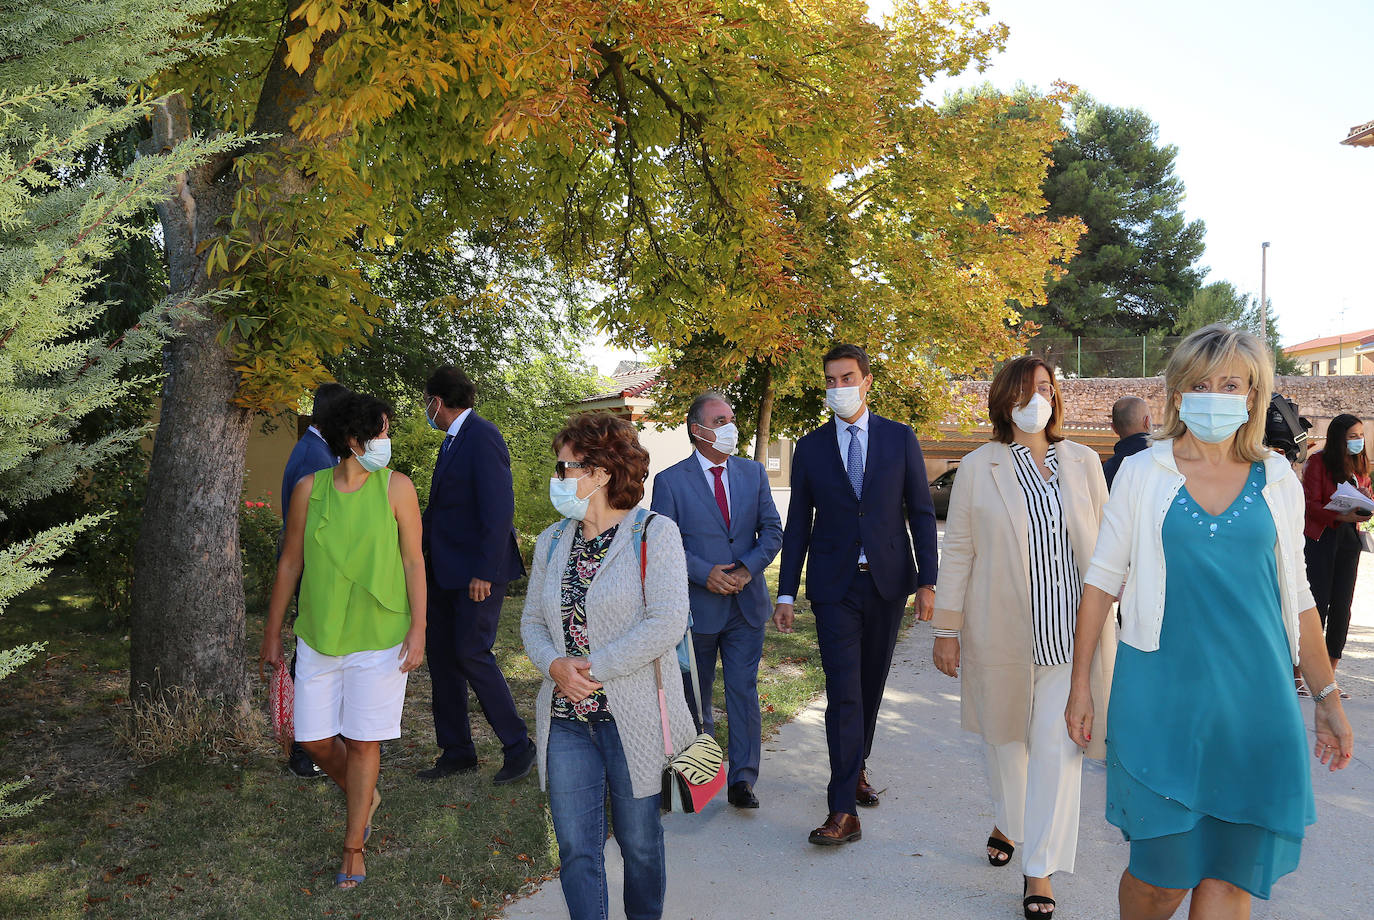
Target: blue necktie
[(443, 448), (855, 462)]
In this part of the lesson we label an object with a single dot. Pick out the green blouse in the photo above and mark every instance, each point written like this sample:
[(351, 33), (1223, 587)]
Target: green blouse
[(353, 590)]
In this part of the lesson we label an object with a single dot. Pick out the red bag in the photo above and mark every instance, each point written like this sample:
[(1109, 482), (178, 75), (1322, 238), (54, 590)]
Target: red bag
[(281, 704)]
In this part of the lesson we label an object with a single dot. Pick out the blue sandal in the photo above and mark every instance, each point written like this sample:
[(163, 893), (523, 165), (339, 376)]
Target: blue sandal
[(342, 878)]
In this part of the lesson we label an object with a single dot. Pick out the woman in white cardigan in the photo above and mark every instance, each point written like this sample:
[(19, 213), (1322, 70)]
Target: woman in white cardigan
[(1022, 522), (603, 632), (1206, 771)]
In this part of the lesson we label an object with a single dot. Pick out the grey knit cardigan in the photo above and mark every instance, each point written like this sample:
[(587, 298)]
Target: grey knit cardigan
[(625, 635)]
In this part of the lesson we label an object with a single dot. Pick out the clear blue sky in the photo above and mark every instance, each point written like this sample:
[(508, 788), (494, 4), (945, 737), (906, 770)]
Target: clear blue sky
[(1256, 96)]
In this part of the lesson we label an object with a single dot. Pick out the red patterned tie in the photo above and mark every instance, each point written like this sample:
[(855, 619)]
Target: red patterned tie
[(720, 495)]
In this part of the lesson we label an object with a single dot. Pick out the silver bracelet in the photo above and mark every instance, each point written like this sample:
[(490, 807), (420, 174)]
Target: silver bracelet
[(1326, 691)]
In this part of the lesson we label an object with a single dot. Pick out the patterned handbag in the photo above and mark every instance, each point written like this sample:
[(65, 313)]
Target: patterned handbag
[(694, 776)]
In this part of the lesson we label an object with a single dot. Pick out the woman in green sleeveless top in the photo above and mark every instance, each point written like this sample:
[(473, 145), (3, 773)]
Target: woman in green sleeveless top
[(352, 543)]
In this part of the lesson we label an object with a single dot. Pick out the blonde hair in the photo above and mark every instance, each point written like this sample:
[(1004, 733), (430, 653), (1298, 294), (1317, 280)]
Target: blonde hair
[(1203, 354)]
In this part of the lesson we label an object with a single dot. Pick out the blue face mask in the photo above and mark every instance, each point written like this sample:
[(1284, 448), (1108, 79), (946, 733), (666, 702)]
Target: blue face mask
[(376, 454), (1213, 417), (1355, 445), (430, 418), (563, 494)]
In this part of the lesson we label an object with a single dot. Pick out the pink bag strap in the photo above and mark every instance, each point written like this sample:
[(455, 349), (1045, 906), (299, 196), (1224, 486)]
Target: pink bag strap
[(663, 711)]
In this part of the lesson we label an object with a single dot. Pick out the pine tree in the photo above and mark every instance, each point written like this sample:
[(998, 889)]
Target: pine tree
[(69, 74)]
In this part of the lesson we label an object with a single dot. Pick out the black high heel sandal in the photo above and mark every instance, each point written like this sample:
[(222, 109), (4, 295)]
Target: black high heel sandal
[(1001, 846), (1028, 900)]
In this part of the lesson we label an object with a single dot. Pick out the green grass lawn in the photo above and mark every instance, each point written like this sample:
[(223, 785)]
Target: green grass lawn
[(239, 836)]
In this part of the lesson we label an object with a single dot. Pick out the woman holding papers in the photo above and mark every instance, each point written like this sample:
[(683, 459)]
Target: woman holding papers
[(1332, 545)]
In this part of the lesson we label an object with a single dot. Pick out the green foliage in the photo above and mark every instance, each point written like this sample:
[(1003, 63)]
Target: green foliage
[(259, 532), (54, 233), (1137, 264), (106, 553), (64, 67), (1220, 302)]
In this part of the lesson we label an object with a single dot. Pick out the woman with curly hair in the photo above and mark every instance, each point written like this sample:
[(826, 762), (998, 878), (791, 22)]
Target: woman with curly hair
[(606, 607), (352, 543)]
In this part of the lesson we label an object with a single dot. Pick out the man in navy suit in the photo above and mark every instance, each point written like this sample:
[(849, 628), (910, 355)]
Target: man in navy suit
[(310, 455), (471, 554), (858, 482), (730, 531)]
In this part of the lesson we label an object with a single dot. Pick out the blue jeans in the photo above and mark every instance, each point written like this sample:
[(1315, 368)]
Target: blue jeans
[(583, 759)]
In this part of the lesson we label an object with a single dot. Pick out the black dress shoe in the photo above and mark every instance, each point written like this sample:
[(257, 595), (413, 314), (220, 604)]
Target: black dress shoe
[(447, 767), (516, 767), (301, 765), (741, 795)]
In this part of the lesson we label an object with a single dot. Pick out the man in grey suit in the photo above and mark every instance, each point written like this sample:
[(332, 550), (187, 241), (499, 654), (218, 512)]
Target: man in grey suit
[(731, 532)]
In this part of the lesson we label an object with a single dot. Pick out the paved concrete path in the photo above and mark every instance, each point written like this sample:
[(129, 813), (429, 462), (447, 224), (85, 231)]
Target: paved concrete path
[(922, 852)]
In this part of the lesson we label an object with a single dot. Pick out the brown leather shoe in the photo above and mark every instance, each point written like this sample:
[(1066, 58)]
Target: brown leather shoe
[(864, 794), (838, 829)]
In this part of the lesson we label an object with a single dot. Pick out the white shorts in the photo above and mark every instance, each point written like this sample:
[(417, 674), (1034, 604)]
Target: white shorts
[(358, 695)]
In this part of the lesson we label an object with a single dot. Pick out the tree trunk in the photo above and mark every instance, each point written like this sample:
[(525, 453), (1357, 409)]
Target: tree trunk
[(762, 435), (188, 608)]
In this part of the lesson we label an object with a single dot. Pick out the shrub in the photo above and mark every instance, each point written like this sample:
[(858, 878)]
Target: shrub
[(106, 552), (259, 536)]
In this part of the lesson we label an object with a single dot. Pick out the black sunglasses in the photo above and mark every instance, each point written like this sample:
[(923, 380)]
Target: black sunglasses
[(561, 467)]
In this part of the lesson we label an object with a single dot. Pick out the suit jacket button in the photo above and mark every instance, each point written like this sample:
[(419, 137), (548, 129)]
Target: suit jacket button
[(861, 514), (732, 539)]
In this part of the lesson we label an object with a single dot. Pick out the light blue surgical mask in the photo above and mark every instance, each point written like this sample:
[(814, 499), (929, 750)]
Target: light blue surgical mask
[(1355, 445), (431, 418), (1213, 417), (563, 495), (376, 454)]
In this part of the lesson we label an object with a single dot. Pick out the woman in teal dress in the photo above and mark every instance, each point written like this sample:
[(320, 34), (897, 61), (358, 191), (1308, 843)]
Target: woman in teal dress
[(1207, 775)]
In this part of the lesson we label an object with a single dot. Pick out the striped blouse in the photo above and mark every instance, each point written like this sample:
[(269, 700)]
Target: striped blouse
[(1055, 585)]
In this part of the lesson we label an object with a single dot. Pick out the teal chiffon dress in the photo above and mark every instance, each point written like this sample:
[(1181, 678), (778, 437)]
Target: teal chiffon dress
[(1207, 771)]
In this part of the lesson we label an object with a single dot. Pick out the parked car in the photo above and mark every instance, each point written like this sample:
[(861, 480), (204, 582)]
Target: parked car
[(940, 487)]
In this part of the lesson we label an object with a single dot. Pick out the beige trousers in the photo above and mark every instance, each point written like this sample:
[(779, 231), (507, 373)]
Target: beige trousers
[(1036, 784)]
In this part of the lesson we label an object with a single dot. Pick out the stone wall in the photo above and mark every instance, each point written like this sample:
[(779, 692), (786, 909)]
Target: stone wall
[(1089, 400)]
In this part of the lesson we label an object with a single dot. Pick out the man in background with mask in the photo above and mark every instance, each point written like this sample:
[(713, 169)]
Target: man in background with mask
[(470, 555), (858, 483), (730, 531)]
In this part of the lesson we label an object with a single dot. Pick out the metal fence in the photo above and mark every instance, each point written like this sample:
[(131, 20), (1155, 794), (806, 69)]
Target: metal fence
[(1106, 356)]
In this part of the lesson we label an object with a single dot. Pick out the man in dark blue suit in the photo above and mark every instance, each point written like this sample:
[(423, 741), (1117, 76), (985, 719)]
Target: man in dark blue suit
[(730, 531), (310, 455), (471, 554), (858, 483)]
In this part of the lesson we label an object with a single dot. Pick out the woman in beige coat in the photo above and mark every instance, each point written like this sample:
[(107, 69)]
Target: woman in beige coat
[(1019, 535)]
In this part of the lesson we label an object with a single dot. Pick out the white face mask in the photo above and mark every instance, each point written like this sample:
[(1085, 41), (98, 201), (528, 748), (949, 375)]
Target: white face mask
[(1034, 415), (727, 437), (376, 454), (845, 401), (563, 495)]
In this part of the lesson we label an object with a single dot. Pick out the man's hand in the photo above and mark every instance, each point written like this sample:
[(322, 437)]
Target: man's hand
[(741, 576), (479, 590), (1353, 516), (717, 582), (925, 602), (783, 615)]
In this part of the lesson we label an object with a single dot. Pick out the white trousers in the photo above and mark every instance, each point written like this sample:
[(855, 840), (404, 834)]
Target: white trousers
[(1037, 784)]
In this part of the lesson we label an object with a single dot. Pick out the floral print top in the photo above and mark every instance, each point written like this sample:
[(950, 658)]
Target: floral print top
[(584, 561)]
